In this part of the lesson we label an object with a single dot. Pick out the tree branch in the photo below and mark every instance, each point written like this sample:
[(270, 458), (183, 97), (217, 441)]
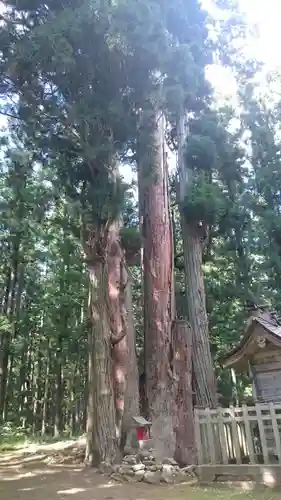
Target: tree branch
[(9, 115)]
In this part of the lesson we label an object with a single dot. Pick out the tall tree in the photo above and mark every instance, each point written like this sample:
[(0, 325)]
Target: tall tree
[(158, 275)]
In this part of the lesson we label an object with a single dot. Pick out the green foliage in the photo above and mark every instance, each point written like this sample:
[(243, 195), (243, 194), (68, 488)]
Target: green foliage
[(11, 436), (201, 153), (204, 201), (131, 242), (5, 324), (213, 161), (80, 72)]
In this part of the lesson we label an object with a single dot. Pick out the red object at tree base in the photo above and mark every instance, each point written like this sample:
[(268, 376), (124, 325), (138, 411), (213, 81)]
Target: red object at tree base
[(142, 434)]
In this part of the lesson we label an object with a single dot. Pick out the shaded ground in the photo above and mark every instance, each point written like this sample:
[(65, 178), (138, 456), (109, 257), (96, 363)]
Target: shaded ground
[(37, 475)]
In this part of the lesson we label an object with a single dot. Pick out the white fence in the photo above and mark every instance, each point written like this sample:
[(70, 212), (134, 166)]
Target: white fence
[(239, 435)]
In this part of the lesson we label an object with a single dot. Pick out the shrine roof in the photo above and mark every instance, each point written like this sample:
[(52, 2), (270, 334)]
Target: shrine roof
[(267, 326)]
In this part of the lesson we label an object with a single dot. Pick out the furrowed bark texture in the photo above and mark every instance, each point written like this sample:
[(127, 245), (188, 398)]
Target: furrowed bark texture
[(203, 367), (203, 370), (102, 442), (117, 282), (131, 408), (124, 360), (113, 376), (185, 453), (157, 274)]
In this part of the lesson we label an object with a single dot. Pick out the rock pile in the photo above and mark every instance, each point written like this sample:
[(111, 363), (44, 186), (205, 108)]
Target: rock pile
[(136, 468)]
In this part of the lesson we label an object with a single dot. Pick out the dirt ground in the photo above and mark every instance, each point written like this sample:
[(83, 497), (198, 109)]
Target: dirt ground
[(49, 473), (37, 481), (45, 474)]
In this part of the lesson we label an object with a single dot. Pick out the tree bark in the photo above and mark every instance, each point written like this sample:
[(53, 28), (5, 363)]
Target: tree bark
[(46, 393), (131, 397), (117, 282), (58, 389), (4, 361), (4, 346), (157, 267), (203, 367), (203, 370), (124, 361), (102, 445), (185, 453)]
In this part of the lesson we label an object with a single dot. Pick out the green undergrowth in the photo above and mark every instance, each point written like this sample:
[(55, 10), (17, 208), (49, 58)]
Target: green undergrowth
[(15, 437)]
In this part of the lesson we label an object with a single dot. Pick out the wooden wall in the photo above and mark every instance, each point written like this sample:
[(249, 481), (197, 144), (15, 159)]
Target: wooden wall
[(266, 370)]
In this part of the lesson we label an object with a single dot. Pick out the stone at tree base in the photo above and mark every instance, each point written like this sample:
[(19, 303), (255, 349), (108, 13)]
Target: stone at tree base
[(126, 469), (148, 463), (152, 477), (139, 475), (144, 453), (149, 469), (167, 475), (130, 459), (154, 468), (181, 477), (169, 469), (138, 467)]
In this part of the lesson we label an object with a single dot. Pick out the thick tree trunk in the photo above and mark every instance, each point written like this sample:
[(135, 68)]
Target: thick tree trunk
[(203, 369), (10, 307), (185, 453), (117, 282), (124, 362), (157, 267), (102, 443)]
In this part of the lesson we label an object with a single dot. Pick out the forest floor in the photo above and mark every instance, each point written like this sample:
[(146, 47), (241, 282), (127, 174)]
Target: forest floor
[(56, 472)]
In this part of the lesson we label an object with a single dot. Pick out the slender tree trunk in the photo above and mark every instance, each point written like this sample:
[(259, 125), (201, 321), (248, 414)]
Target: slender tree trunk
[(203, 369), (157, 266), (131, 402), (4, 360), (36, 392), (102, 442), (185, 453), (22, 374), (58, 389), (46, 395), (4, 347)]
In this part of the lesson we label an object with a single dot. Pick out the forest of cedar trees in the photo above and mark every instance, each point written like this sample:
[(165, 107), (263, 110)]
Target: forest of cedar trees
[(139, 213)]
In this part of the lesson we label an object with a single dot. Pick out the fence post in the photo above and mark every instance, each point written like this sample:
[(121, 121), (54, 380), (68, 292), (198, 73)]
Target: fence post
[(235, 435), (262, 434), (249, 437), (210, 433), (198, 437), (222, 437), (275, 431)]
